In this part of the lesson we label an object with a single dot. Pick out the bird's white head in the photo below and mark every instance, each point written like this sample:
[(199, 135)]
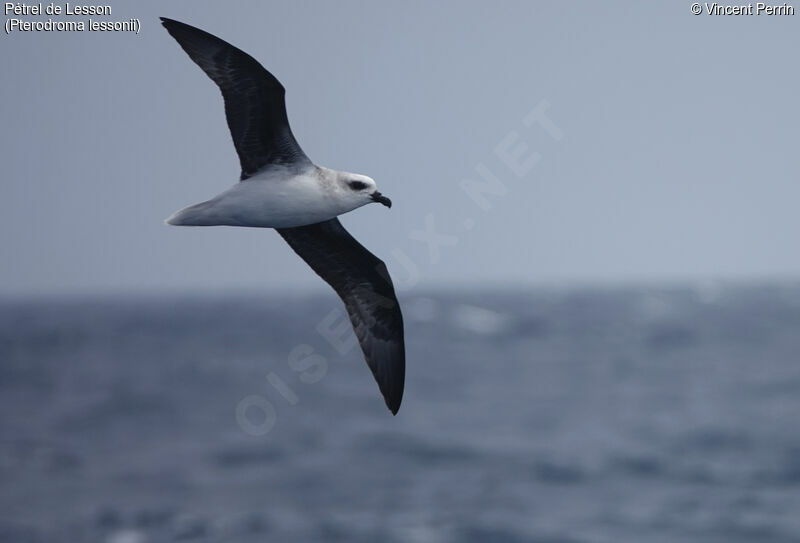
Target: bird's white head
[(360, 190)]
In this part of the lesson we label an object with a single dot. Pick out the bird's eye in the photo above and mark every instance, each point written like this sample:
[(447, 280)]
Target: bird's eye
[(357, 185)]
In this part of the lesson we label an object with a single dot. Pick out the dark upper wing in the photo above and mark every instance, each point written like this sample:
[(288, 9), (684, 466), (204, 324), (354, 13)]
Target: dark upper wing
[(363, 283), (254, 99)]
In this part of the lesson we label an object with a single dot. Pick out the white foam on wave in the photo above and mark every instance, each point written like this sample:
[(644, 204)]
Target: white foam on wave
[(479, 320)]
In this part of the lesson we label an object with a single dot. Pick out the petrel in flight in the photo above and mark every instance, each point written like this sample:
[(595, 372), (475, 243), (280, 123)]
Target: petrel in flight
[(281, 188)]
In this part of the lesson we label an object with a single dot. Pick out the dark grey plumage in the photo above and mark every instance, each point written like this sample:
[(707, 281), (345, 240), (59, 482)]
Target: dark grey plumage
[(362, 281), (254, 99)]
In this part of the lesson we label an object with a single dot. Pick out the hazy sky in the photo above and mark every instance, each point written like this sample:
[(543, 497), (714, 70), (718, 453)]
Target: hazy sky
[(667, 146)]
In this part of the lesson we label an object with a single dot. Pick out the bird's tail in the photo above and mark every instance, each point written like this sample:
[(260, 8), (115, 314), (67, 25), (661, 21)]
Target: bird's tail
[(197, 215)]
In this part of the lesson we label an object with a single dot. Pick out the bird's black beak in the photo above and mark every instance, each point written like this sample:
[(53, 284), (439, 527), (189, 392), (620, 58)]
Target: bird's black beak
[(380, 198)]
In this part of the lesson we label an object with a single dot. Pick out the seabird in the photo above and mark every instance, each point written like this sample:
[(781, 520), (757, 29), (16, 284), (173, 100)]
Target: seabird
[(281, 188)]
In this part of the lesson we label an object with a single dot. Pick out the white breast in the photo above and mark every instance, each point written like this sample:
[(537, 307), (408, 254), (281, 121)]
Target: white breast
[(273, 199)]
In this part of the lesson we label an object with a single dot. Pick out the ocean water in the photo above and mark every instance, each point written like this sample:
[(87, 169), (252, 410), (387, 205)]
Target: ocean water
[(591, 415)]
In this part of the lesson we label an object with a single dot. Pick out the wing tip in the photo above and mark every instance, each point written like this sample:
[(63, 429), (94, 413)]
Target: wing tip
[(393, 399), (173, 27), (178, 29)]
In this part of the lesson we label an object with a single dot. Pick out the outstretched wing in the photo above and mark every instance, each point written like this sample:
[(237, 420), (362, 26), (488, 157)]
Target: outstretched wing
[(363, 283), (254, 99)]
